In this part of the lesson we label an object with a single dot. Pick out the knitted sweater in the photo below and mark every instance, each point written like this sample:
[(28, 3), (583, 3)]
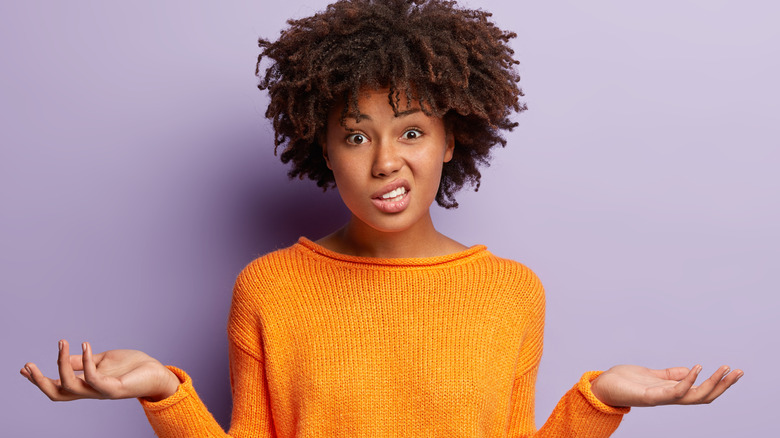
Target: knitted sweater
[(324, 344)]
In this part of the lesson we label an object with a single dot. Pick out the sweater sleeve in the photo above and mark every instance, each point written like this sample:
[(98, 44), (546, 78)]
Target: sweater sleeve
[(184, 414), (578, 413)]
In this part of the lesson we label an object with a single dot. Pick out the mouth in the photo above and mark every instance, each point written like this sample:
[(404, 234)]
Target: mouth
[(394, 195), (392, 198)]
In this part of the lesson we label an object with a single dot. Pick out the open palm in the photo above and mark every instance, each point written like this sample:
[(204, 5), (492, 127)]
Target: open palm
[(112, 374), (632, 385)]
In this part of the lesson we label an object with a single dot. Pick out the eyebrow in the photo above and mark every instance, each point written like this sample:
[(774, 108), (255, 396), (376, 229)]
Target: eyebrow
[(362, 116)]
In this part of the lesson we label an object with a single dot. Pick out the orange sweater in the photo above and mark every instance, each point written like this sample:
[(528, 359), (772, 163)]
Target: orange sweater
[(323, 344)]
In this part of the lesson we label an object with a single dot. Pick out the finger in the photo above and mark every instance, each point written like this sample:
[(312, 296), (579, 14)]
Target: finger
[(68, 379), (25, 371), (50, 387), (91, 375), (710, 388), (77, 360), (682, 387), (699, 393), (67, 376), (724, 384)]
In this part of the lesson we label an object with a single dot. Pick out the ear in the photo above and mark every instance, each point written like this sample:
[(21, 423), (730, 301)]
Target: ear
[(325, 153), (450, 148)]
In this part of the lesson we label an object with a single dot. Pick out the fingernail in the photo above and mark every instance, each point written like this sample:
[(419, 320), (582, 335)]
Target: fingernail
[(60, 345), (727, 370), (740, 376), (29, 371), (84, 346)]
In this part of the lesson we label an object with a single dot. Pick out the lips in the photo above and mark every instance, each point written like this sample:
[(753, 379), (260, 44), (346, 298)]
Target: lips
[(392, 198), (395, 184)]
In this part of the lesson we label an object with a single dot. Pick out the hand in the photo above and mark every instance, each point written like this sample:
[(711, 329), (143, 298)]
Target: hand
[(631, 385), (113, 374)]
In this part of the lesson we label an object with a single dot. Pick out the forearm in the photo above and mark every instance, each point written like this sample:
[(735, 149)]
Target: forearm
[(577, 414), (182, 414), (185, 415)]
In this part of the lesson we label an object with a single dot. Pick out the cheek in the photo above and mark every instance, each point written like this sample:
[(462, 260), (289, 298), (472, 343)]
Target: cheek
[(429, 164), (428, 173), (345, 174)]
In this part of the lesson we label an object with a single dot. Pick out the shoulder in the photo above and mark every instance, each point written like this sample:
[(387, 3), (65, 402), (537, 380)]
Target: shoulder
[(512, 271), (269, 269), (266, 264), (257, 283), (514, 281), (251, 293)]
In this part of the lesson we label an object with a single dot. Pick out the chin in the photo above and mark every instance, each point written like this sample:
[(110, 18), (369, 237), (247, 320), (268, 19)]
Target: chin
[(395, 223)]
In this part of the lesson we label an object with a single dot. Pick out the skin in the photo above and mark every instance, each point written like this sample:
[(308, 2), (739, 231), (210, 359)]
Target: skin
[(378, 149), (365, 156), (113, 374)]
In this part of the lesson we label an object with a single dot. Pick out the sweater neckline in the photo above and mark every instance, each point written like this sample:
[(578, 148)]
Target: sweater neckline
[(460, 256)]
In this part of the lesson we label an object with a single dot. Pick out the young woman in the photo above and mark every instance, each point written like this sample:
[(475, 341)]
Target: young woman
[(385, 327)]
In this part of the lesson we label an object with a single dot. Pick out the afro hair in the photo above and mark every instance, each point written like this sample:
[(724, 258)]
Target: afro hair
[(454, 62)]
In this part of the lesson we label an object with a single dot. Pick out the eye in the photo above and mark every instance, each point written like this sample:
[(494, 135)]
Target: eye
[(356, 138), (412, 134)]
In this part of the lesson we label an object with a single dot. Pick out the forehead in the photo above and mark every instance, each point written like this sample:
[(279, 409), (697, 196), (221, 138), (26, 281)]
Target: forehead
[(376, 100)]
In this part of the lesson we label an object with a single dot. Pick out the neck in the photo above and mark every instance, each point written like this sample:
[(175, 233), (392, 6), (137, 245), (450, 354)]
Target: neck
[(358, 239)]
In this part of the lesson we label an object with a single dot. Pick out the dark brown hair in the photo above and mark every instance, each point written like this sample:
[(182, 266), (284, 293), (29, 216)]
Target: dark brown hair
[(454, 62)]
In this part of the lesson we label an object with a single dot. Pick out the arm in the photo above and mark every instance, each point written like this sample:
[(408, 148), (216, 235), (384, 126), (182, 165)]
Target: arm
[(594, 407), (185, 415), (579, 413), (166, 393)]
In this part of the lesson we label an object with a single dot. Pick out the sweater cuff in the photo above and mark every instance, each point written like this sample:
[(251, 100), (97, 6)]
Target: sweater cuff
[(182, 392), (584, 387)]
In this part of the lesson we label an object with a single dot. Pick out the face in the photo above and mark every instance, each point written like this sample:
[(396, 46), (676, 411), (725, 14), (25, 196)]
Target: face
[(387, 168)]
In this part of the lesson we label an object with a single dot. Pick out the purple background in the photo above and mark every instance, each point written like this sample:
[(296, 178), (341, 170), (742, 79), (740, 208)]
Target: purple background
[(137, 179)]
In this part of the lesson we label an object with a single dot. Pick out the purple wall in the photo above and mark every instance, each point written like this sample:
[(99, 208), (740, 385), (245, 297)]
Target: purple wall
[(137, 179)]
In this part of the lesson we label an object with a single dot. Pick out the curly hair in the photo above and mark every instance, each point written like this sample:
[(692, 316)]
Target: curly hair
[(454, 62)]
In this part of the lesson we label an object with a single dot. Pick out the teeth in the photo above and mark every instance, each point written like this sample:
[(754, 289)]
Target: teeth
[(397, 192)]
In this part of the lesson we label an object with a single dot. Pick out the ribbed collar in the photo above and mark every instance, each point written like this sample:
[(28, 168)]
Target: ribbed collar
[(474, 252)]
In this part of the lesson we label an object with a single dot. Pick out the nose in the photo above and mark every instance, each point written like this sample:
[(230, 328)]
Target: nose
[(387, 160)]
